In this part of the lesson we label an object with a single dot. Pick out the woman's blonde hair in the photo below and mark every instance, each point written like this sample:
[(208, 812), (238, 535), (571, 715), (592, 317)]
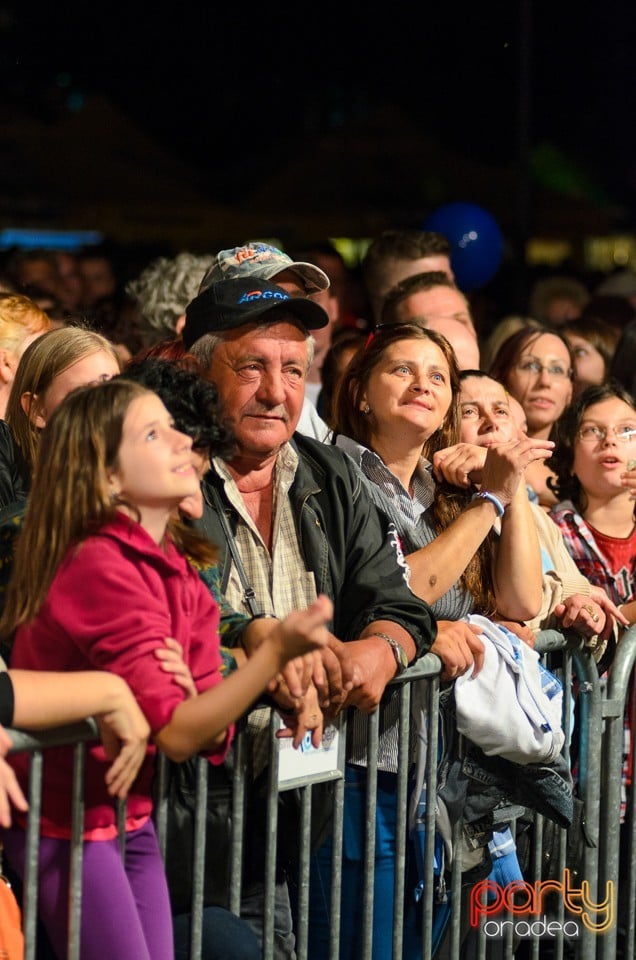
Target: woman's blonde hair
[(71, 497), (42, 361), (19, 318)]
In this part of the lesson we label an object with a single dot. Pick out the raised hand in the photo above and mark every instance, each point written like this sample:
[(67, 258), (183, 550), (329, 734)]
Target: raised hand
[(498, 468)]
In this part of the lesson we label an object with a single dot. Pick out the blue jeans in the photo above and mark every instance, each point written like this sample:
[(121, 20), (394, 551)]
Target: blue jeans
[(252, 901), (353, 873), (224, 937)]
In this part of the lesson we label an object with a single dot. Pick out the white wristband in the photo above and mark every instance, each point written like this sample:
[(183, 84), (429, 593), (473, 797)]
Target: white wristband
[(496, 502)]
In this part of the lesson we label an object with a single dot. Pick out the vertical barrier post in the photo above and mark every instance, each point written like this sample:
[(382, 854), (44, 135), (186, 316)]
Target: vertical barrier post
[(77, 851), (613, 711)]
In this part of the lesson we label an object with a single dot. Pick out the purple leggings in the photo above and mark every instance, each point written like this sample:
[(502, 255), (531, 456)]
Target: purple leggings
[(125, 905)]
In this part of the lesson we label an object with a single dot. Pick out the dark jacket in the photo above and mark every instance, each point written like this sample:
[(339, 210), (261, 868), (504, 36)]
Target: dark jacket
[(351, 548), (15, 478)]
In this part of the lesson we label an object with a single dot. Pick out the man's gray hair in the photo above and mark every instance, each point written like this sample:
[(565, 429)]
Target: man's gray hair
[(165, 288), (205, 346)]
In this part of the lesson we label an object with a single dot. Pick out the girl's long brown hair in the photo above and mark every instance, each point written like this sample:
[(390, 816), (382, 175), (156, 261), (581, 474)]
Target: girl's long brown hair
[(449, 501), (70, 497)]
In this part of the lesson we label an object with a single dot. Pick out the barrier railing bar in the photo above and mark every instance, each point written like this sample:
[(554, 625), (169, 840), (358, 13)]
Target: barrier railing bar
[(76, 853), (429, 891), (617, 686), (373, 739), (302, 932), (271, 834), (239, 779), (198, 855), (336, 858), (30, 886), (404, 744)]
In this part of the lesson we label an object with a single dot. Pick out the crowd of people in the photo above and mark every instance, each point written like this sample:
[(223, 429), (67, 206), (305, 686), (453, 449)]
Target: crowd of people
[(253, 474)]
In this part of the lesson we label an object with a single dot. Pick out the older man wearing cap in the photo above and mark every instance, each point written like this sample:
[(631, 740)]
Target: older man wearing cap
[(266, 262), (299, 517)]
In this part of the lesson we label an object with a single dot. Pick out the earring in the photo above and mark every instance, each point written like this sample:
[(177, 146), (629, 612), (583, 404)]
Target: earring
[(367, 410)]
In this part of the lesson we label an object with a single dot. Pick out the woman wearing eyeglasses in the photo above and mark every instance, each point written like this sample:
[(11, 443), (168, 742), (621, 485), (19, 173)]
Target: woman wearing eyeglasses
[(536, 366), (595, 482)]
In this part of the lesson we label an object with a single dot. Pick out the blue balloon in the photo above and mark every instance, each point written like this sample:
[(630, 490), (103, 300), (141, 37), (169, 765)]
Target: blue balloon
[(476, 242)]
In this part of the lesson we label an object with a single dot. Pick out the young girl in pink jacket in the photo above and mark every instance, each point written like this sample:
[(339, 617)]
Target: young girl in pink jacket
[(100, 579)]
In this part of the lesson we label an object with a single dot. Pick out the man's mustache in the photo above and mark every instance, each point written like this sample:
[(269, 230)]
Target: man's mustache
[(260, 410)]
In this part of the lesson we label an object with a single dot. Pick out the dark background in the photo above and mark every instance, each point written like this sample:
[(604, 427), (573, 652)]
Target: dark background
[(233, 87), (189, 126)]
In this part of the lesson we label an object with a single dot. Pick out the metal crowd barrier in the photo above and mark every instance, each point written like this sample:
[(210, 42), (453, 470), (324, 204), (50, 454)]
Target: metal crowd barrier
[(608, 859), (76, 735)]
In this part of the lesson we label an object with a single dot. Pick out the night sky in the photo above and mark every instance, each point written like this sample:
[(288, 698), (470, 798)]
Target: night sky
[(238, 88)]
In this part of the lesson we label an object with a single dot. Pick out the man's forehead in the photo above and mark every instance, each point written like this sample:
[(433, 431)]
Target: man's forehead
[(441, 299), (484, 389), (251, 338)]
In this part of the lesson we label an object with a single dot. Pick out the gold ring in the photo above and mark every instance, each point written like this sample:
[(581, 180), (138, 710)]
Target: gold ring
[(590, 610), (595, 617)]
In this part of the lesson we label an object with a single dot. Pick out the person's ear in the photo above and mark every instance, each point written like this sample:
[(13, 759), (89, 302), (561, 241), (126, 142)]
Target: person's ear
[(114, 485), (30, 403), (7, 366)]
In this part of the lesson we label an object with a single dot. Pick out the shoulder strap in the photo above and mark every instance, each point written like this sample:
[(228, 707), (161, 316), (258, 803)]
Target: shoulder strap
[(248, 591)]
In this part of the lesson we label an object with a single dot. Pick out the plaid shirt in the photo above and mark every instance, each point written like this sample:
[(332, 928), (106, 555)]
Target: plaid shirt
[(596, 563), (619, 580), (276, 590)]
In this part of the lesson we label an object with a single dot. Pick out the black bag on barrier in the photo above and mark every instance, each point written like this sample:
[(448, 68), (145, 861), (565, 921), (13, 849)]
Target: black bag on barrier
[(181, 800), (181, 805)]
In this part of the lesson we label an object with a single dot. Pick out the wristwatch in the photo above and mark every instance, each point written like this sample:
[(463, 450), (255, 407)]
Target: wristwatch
[(399, 653)]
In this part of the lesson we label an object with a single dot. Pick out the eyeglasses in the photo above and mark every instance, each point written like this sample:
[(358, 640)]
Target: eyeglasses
[(592, 433), (535, 367)]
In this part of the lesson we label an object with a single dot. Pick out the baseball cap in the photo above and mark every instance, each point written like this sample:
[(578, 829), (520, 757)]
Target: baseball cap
[(232, 303), (263, 261)]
